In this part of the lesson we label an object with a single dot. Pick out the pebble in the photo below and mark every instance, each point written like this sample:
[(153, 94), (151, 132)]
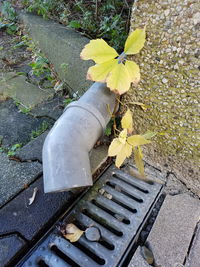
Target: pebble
[(164, 80)]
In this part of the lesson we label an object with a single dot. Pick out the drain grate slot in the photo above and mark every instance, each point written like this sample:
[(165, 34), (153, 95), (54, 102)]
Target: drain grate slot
[(138, 184), (105, 223), (117, 205), (89, 251), (118, 186), (63, 256), (41, 263), (74, 251), (105, 233), (112, 210), (117, 176)]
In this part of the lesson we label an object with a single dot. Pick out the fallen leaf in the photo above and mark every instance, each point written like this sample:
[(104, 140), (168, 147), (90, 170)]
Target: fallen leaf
[(31, 199), (73, 233), (143, 106)]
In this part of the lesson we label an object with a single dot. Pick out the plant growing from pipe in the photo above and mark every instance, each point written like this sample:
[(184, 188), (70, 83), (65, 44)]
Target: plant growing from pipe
[(118, 73)]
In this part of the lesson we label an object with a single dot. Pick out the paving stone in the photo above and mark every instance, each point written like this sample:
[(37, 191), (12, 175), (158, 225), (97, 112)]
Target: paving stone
[(98, 156), (173, 229), (15, 175), (193, 259), (32, 150), (9, 246), (137, 260), (16, 127), (61, 45), (30, 221), (52, 108), (24, 92), (174, 186), (18, 216)]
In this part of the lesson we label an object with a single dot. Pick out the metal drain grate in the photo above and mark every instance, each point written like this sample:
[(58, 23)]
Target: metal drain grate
[(117, 206)]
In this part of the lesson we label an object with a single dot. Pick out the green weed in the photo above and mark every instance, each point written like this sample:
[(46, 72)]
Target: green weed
[(43, 127)]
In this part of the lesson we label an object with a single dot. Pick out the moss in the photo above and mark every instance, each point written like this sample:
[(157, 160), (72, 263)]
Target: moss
[(173, 105)]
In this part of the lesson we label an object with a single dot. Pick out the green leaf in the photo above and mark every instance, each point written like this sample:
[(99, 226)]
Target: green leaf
[(75, 24)]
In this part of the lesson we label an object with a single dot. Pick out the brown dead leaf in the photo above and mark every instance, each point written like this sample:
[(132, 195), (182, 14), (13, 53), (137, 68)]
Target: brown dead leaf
[(73, 233)]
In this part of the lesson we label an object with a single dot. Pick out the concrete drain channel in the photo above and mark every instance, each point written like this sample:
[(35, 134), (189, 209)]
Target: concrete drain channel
[(111, 213)]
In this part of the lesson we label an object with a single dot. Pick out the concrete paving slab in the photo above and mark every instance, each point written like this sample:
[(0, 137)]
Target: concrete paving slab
[(9, 246), (15, 175), (98, 156), (52, 108), (61, 45), (16, 127), (138, 260), (32, 150), (24, 92), (193, 259), (27, 219), (173, 229)]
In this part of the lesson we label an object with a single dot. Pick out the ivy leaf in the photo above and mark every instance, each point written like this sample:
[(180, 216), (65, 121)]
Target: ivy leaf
[(123, 136), (120, 148), (135, 42), (99, 72), (111, 68), (149, 135), (125, 152), (127, 121), (115, 147), (134, 71), (138, 160), (137, 140), (99, 51), (142, 105), (119, 79)]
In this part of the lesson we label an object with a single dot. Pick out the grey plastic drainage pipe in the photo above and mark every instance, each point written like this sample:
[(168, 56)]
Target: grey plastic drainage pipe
[(66, 148)]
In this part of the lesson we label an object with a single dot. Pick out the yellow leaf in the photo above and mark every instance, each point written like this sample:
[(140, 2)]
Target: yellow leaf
[(137, 140), (134, 71), (138, 160), (142, 105), (73, 233), (115, 147), (123, 136), (100, 72), (119, 79), (127, 121), (135, 42), (99, 51), (120, 158), (128, 150), (149, 135), (124, 153)]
